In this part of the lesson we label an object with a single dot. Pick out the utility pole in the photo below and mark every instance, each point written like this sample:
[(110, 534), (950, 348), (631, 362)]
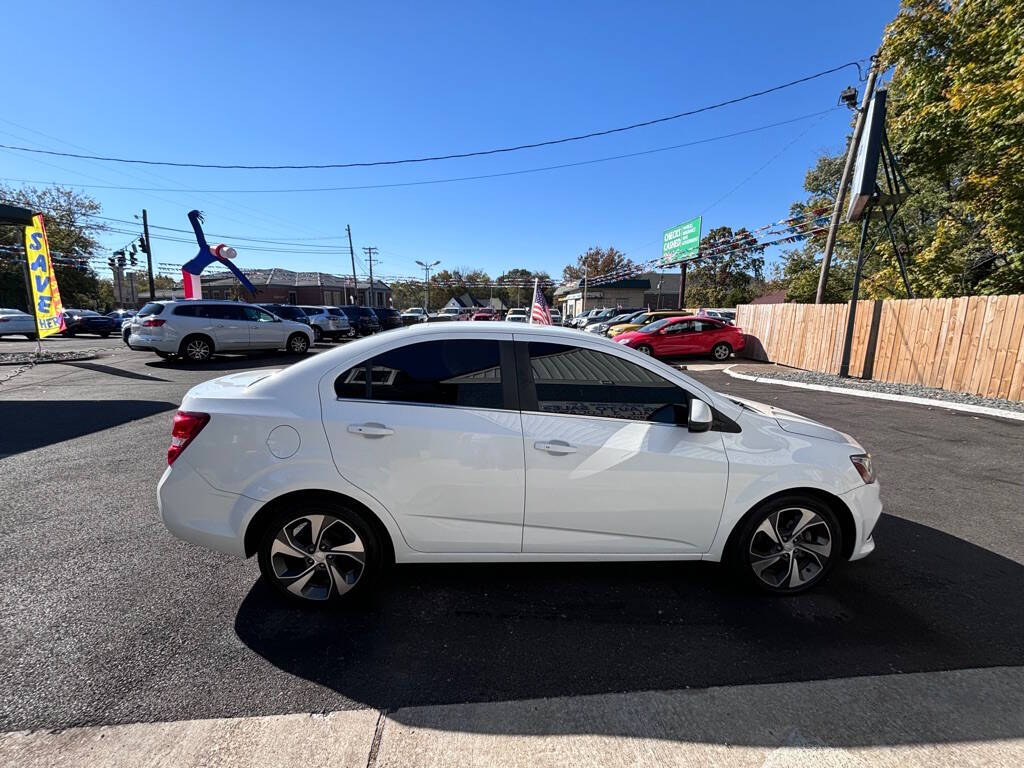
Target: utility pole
[(851, 153), (352, 253), (682, 284), (426, 282), (370, 252), (149, 256), (584, 307), (661, 282)]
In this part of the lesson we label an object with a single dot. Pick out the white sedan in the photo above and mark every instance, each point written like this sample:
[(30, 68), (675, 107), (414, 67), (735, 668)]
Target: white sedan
[(14, 322), (500, 442)]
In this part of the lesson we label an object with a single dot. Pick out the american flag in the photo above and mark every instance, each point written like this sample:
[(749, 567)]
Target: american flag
[(539, 312)]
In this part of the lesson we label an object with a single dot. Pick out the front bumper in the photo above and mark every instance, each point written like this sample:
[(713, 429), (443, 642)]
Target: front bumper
[(866, 505), (195, 511)]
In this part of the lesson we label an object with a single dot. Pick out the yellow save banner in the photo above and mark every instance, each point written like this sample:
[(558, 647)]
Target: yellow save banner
[(46, 304)]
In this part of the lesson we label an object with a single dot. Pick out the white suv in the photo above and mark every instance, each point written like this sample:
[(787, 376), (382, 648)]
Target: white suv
[(328, 322), (197, 329)]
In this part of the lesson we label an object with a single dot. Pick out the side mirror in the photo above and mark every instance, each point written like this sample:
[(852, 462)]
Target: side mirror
[(700, 417)]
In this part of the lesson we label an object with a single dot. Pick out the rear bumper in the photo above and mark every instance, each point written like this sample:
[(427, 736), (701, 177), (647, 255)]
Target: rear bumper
[(198, 513), (866, 505)]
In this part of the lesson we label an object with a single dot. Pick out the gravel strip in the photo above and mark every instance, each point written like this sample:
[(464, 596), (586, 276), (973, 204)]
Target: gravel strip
[(31, 358), (913, 390)]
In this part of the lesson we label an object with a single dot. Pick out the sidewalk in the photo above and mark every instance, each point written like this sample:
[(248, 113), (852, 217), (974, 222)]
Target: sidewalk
[(963, 718)]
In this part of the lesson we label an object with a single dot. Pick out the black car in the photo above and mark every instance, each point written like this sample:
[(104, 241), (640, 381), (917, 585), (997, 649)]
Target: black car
[(389, 318), (363, 320), (288, 312), (86, 321)]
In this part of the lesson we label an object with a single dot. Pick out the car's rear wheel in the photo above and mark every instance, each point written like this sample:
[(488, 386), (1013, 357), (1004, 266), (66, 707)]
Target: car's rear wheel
[(721, 351), (319, 554), (644, 349), (198, 349), (788, 545), (298, 344)]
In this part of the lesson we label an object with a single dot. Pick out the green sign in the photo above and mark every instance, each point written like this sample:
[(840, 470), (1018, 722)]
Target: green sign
[(681, 243)]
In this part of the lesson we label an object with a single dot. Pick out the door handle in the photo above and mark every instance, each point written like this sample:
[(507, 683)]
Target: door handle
[(556, 447), (370, 430)]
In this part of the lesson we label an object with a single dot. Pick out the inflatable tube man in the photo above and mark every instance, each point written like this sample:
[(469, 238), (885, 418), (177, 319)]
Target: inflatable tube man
[(206, 256)]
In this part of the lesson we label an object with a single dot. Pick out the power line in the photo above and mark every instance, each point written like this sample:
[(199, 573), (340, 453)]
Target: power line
[(478, 177), (454, 155)]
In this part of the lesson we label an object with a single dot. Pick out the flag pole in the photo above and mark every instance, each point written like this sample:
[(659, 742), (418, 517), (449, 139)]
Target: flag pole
[(533, 299)]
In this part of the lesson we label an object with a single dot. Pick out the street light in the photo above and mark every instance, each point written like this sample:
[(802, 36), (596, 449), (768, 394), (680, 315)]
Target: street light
[(426, 282)]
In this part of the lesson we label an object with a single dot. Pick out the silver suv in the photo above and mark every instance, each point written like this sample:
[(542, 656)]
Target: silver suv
[(328, 322), (196, 329)]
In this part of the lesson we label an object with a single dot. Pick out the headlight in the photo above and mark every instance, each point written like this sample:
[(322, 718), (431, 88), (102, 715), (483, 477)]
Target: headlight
[(862, 461)]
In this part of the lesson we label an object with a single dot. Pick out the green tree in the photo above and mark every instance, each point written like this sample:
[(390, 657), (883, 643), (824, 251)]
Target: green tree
[(71, 232), (727, 279), (596, 261)]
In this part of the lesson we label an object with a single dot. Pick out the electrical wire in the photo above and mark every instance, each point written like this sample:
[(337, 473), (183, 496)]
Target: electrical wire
[(454, 155)]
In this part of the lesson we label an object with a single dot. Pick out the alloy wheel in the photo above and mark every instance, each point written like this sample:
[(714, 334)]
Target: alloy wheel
[(298, 344), (643, 349), (198, 350), (316, 557), (790, 548), (720, 352)]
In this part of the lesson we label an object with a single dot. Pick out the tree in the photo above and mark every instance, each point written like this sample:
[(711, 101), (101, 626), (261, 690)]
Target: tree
[(596, 261), (726, 279), (71, 232), (516, 286)]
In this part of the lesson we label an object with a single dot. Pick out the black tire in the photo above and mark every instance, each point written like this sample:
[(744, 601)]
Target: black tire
[(318, 334), (644, 349), (340, 526), (298, 344), (721, 351), (766, 562), (69, 333), (125, 335), (30, 336), (192, 348), (105, 335)]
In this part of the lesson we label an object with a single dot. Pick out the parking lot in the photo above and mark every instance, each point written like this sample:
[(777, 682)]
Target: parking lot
[(106, 618)]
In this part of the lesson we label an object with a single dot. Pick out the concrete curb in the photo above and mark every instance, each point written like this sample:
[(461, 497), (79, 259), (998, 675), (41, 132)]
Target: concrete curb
[(983, 410)]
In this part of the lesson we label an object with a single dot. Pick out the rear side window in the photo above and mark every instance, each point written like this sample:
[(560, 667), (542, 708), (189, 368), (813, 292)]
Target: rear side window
[(462, 372), (185, 310), (585, 382), (311, 311)]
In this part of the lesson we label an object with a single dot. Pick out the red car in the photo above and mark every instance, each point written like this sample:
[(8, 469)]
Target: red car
[(678, 336), (485, 314)]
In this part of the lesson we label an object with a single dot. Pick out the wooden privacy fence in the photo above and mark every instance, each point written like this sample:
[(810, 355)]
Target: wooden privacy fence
[(969, 344)]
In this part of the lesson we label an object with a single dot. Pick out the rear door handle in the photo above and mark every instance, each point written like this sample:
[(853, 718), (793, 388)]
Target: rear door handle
[(557, 447), (370, 430)]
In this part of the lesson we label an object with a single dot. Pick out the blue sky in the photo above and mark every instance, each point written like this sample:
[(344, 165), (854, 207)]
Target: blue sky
[(300, 83)]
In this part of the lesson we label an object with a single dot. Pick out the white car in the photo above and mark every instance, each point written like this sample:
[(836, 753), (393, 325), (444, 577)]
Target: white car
[(583, 449), (414, 315), (518, 315), (327, 322), (197, 329), (14, 322)]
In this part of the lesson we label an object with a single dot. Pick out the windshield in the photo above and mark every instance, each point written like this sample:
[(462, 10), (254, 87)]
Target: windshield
[(656, 326)]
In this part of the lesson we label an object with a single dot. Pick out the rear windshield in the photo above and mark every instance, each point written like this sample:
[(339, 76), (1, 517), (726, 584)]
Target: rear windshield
[(336, 312), (153, 308)]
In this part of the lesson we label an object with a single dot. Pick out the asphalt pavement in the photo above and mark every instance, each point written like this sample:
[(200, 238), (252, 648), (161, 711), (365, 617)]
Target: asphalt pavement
[(105, 618)]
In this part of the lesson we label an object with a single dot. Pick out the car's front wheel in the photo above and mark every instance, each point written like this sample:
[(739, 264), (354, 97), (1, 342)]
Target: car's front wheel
[(788, 545), (298, 344), (644, 349), (721, 351), (320, 553)]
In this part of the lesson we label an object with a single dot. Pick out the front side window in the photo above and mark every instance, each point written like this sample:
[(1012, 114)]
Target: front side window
[(255, 315), (585, 382), (461, 372)]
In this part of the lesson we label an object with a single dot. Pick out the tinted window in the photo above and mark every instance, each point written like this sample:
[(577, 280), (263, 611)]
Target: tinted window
[(585, 382), (185, 310), (313, 310), (450, 372), (220, 311), (256, 315)]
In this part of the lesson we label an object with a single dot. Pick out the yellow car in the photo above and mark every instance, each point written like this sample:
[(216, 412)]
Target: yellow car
[(647, 317)]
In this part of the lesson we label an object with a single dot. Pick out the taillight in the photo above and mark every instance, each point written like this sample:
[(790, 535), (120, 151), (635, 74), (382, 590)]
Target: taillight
[(186, 426), (153, 323)]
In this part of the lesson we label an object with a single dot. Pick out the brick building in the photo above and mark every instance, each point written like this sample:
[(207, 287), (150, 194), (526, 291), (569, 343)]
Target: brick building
[(283, 286)]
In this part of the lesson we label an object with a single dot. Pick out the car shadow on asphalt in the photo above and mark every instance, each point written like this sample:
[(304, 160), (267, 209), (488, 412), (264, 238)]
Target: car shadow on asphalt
[(445, 634), (29, 424)]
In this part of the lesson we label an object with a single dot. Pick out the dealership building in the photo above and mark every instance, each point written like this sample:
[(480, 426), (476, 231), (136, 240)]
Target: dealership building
[(283, 286), (649, 289)]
